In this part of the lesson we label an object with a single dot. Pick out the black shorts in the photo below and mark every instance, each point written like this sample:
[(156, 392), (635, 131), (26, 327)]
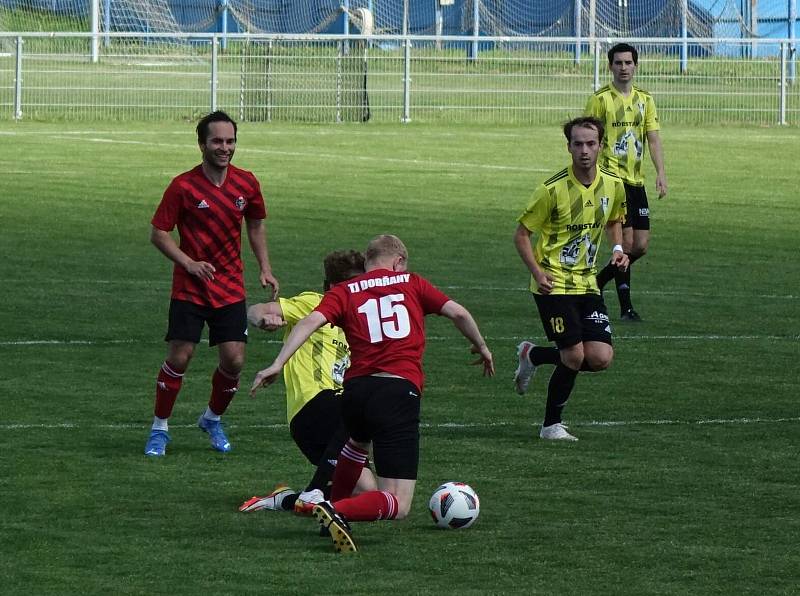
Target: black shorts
[(638, 211), (317, 429), (227, 323), (385, 411), (569, 320)]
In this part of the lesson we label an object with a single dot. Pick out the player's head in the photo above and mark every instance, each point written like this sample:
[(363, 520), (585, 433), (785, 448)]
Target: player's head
[(584, 122), (621, 48), (342, 265), (623, 60), (584, 141), (386, 251), (204, 126), (216, 136)]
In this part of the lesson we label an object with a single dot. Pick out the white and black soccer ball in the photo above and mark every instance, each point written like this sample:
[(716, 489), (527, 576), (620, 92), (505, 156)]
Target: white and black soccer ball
[(454, 505)]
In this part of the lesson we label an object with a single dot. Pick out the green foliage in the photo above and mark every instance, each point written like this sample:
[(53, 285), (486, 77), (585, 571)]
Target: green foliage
[(684, 479)]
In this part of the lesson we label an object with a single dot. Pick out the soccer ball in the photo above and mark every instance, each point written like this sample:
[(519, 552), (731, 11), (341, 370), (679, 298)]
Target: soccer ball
[(454, 505)]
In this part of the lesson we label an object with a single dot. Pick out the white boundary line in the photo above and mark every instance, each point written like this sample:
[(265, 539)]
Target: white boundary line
[(685, 133), (105, 342), (331, 156), (166, 284), (444, 425)]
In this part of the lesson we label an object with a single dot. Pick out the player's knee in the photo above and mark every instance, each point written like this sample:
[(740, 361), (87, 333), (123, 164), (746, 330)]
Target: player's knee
[(232, 364), (572, 359), (179, 355), (600, 360)]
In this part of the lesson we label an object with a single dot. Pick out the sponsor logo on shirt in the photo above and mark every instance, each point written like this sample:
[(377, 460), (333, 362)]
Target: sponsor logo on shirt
[(202, 205), (583, 226)]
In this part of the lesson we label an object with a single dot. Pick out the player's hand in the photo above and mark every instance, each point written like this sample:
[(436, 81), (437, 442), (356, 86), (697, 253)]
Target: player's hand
[(544, 281), (201, 269), (264, 378), (485, 359), (621, 260), (267, 279), (661, 186), (270, 322)]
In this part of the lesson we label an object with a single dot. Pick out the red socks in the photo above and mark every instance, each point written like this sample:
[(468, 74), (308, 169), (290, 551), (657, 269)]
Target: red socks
[(369, 506), (348, 469), (224, 386), (168, 384)]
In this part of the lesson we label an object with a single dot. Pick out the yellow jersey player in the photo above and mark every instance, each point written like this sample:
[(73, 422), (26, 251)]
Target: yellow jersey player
[(631, 124), (313, 378), (569, 213)]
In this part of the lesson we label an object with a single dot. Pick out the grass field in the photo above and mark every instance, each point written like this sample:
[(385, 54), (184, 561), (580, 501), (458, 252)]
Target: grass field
[(685, 478)]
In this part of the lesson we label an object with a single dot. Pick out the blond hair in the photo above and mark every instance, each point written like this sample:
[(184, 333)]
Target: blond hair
[(385, 245)]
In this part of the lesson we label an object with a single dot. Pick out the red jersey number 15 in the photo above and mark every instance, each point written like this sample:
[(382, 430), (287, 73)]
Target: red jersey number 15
[(386, 318)]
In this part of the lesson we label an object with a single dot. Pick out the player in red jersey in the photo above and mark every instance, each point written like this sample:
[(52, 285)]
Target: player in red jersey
[(207, 204), (382, 313)]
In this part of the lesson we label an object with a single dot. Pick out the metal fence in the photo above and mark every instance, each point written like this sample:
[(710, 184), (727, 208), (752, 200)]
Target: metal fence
[(334, 78)]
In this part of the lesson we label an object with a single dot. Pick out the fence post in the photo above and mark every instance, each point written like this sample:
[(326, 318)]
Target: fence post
[(782, 101), (18, 81), (214, 58), (578, 32), (684, 36), (339, 51), (476, 28), (596, 82), (95, 24), (269, 81), (406, 81), (792, 48)]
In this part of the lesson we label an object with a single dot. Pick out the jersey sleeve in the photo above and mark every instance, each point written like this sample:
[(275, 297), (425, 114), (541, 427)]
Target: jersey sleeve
[(537, 211), (332, 305), (168, 211), (431, 298), (298, 307), (594, 107), (650, 116), (256, 207)]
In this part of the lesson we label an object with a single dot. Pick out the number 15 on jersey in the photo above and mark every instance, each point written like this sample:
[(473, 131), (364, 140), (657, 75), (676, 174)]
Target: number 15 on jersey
[(387, 318)]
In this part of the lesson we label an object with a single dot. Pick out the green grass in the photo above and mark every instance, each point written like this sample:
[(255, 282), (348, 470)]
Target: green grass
[(684, 480)]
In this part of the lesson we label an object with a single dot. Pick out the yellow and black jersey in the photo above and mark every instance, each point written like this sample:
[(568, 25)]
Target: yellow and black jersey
[(627, 121), (570, 219), (319, 363)]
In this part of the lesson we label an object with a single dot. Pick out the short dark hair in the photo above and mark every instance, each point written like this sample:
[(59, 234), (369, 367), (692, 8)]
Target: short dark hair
[(342, 265), (621, 48), (584, 122), (218, 116)]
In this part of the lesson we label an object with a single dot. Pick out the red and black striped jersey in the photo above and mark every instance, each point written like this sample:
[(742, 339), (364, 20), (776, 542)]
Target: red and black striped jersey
[(209, 221)]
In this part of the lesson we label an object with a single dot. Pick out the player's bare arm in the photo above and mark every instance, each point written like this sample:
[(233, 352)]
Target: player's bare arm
[(614, 235), (466, 324), (299, 334), (257, 237), (164, 242), (522, 240), (267, 316), (657, 156)]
